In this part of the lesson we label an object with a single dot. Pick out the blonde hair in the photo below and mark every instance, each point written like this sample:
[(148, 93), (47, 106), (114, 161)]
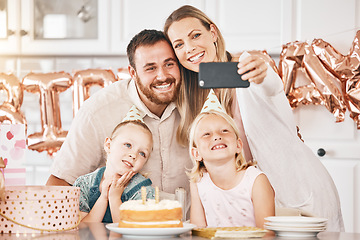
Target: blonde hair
[(199, 168), (134, 122), (191, 96)]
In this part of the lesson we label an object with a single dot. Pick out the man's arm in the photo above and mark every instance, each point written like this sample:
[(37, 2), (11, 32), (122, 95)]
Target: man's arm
[(55, 181)]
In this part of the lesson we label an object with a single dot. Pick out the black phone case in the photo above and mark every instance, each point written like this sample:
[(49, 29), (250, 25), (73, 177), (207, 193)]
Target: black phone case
[(220, 75)]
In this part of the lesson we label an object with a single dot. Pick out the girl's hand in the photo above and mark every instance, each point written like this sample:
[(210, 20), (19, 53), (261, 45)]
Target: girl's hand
[(118, 184), (256, 66), (105, 186)]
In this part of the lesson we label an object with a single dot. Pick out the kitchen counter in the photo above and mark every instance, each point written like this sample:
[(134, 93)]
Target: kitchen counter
[(98, 231)]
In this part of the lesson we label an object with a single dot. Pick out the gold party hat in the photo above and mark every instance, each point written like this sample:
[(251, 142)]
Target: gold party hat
[(212, 103), (133, 115)]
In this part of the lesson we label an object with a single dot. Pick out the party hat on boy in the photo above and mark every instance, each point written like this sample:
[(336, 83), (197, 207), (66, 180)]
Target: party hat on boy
[(212, 103), (133, 115)]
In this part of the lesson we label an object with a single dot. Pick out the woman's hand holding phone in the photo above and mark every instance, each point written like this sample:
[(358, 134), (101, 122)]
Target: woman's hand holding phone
[(253, 68)]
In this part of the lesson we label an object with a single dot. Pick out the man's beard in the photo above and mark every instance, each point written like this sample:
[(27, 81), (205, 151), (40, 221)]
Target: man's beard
[(153, 97)]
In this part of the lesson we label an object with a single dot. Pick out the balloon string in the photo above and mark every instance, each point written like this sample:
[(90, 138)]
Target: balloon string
[(39, 229)]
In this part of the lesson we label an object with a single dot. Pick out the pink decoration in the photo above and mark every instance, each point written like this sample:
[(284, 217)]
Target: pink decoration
[(9, 135)]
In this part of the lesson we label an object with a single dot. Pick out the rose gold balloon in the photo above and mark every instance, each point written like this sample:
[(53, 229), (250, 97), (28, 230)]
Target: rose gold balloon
[(85, 79), (48, 86), (318, 86), (10, 109), (347, 69)]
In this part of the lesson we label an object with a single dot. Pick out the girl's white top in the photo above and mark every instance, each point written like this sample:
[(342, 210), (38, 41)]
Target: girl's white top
[(229, 208)]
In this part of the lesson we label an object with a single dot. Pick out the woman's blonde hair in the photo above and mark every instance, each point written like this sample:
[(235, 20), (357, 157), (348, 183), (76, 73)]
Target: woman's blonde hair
[(199, 168), (191, 96)]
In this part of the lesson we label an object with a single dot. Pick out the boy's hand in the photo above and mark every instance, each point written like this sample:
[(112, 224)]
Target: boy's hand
[(118, 184)]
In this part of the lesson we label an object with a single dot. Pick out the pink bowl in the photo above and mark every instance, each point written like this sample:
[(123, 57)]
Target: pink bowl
[(39, 209)]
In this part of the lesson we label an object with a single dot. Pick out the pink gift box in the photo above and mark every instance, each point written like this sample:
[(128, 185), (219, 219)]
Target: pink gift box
[(35, 209)]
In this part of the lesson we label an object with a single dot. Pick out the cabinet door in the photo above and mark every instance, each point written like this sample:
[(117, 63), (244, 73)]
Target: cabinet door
[(337, 146), (346, 175), (320, 131), (9, 26), (252, 25), (129, 17), (337, 27), (65, 27)]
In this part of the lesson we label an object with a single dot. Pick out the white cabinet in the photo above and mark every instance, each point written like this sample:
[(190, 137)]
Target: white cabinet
[(38, 27), (128, 17), (251, 25), (341, 142), (346, 175), (10, 40)]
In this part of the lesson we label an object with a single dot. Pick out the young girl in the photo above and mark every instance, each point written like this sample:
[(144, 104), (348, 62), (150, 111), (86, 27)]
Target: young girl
[(103, 191), (225, 190)]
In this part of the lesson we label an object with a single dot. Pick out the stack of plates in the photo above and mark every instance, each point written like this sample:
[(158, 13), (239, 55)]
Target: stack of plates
[(295, 226)]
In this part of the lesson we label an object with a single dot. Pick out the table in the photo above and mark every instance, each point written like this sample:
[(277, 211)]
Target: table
[(98, 231)]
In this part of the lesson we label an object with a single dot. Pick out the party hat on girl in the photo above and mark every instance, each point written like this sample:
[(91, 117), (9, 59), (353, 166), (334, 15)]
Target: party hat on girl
[(212, 103), (133, 115)]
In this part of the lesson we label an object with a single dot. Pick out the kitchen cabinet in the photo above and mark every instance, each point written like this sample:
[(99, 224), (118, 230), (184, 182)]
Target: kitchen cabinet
[(29, 31), (337, 146), (128, 17), (39, 27), (245, 25)]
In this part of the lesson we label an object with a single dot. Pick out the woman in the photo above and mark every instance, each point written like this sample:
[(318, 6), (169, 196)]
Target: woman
[(262, 113)]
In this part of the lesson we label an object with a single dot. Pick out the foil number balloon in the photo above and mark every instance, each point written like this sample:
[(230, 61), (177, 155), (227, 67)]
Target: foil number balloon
[(48, 86), (84, 80), (10, 109)]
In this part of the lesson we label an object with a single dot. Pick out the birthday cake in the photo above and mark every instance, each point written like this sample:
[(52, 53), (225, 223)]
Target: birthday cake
[(150, 214)]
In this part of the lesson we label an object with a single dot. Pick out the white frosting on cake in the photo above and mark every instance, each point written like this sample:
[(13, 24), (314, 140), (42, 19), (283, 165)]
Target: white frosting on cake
[(137, 205), (154, 223)]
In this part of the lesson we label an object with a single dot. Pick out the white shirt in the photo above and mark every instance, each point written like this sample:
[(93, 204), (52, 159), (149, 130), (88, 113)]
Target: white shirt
[(82, 152), (298, 177)]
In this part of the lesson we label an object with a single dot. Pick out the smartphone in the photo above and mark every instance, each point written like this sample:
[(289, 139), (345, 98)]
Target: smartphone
[(220, 75)]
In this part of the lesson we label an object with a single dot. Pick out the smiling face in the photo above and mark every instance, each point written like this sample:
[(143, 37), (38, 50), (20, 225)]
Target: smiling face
[(128, 151), (215, 141), (192, 42), (157, 75)]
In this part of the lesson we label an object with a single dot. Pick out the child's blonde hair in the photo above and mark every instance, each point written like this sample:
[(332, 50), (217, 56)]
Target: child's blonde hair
[(199, 168), (134, 122)]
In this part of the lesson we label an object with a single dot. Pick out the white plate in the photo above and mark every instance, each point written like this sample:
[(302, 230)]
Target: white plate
[(295, 219), (150, 232), (296, 229), (295, 232), (296, 225)]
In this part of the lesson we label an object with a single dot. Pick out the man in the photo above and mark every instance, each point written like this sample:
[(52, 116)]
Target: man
[(153, 88)]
